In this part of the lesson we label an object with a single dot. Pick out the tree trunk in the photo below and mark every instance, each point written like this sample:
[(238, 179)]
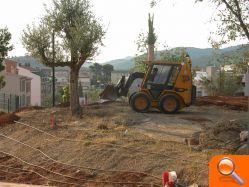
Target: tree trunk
[(74, 94), (150, 52)]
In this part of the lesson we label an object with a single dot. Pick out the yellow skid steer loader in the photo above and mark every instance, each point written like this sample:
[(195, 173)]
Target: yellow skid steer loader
[(164, 85)]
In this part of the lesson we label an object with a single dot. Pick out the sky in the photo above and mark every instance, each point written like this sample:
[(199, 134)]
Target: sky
[(178, 23)]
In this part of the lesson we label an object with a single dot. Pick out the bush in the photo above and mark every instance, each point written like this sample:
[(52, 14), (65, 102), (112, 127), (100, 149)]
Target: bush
[(93, 95)]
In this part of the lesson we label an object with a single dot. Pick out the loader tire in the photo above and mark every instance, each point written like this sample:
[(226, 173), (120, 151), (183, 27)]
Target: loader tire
[(169, 104), (140, 102), (131, 97)]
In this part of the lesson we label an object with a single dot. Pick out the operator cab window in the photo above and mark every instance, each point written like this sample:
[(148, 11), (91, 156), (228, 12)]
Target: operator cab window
[(163, 77), (159, 74), (173, 76)]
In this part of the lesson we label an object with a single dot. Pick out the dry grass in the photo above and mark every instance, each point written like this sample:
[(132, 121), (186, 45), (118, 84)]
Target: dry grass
[(100, 124)]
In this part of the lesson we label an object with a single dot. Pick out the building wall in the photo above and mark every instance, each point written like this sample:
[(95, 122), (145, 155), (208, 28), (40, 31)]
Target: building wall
[(211, 70), (62, 75), (10, 66), (62, 78), (200, 91), (46, 87), (247, 84), (84, 79), (35, 85), (17, 87), (85, 83)]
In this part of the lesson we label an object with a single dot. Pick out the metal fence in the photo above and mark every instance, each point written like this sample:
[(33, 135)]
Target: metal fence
[(9, 102)]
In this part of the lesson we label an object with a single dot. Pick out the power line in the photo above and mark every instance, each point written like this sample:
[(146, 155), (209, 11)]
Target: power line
[(84, 167)]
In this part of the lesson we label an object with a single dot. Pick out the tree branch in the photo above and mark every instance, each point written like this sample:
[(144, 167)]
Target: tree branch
[(238, 16), (242, 24), (230, 7)]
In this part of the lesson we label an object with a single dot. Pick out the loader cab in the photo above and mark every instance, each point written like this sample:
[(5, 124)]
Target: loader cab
[(161, 77), (166, 86)]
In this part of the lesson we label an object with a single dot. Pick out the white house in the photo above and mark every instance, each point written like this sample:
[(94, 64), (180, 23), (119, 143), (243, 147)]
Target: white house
[(17, 90), (200, 91), (35, 84), (84, 79)]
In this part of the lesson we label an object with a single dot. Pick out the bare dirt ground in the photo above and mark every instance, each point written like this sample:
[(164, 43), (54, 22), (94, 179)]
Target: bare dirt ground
[(114, 146)]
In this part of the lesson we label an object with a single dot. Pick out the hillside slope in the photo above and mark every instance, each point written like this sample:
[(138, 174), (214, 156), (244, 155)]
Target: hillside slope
[(200, 57)]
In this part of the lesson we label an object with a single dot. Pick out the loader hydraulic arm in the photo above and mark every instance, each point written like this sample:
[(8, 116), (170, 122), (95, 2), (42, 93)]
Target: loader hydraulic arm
[(126, 86), (112, 92)]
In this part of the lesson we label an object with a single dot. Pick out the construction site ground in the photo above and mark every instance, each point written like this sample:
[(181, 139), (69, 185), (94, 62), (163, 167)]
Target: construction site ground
[(114, 146)]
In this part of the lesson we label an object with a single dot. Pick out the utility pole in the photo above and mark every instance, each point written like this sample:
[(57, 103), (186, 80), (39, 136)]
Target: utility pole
[(248, 125), (247, 86), (53, 76)]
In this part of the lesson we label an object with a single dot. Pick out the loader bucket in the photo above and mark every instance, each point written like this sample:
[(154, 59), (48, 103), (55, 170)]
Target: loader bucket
[(109, 93)]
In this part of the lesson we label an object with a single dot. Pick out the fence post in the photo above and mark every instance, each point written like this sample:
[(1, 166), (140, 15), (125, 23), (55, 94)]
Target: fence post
[(4, 101), (8, 105)]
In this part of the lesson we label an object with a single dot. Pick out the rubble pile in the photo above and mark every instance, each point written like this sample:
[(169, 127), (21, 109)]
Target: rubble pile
[(8, 118), (231, 102), (226, 135)]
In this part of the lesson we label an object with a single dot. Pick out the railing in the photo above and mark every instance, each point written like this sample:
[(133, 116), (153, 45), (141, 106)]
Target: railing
[(9, 102)]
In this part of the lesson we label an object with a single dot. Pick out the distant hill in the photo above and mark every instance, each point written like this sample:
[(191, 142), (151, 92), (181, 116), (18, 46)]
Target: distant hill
[(24, 60), (200, 57), (122, 64)]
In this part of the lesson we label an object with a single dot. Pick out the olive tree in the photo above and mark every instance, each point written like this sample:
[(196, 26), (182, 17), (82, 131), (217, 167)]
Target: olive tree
[(5, 47), (232, 17), (78, 35), (151, 38), (145, 46)]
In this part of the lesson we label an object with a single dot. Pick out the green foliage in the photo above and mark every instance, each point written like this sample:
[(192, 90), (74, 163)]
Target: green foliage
[(107, 70), (176, 55), (242, 66), (2, 82), (66, 95), (209, 85), (93, 95), (48, 101), (101, 73), (140, 66), (222, 84), (22, 60), (77, 35), (145, 46), (5, 47), (141, 43), (151, 38), (154, 3), (96, 69), (232, 21)]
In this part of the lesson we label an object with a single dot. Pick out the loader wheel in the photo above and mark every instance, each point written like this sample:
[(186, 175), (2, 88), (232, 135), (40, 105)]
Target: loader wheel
[(140, 102), (169, 104), (131, 97)]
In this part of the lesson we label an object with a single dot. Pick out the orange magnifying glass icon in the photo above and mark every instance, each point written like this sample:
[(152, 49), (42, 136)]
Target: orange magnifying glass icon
[(226, 167)]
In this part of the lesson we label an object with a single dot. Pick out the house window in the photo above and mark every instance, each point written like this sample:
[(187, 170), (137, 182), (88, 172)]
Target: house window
[(199, 93), (22, 86), (23, 100), (28, 86), (28, 101)]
